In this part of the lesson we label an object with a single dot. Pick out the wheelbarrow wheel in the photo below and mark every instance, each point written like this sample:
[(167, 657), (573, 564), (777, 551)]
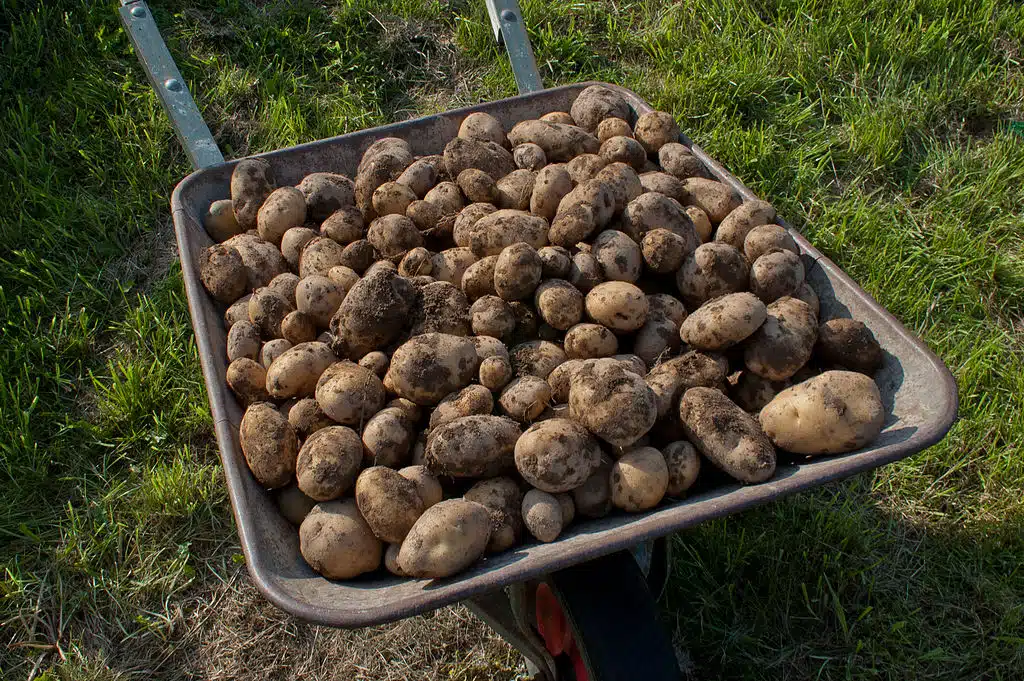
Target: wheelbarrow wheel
[(599, 622)]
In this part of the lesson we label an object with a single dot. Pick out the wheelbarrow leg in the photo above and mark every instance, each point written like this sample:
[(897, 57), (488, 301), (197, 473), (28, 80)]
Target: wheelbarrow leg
[(504, 611)]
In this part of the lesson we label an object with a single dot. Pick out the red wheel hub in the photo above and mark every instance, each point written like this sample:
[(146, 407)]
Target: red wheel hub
[(554, 629)]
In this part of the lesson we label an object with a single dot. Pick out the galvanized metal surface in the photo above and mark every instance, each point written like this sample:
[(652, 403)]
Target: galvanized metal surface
[(165, 78), (918, 391), (510, 29)]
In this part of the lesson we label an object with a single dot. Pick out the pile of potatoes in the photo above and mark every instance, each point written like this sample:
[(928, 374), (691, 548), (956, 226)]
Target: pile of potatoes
[(451, 354)]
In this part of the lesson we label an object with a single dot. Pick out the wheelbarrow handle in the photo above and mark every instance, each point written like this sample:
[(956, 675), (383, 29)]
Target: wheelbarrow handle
[(510, 29)]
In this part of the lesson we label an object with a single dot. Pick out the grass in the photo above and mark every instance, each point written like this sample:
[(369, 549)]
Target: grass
[(883, 129)]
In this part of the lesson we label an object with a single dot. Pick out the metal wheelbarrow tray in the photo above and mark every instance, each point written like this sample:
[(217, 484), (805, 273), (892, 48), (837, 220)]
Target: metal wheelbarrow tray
[(917, 389)]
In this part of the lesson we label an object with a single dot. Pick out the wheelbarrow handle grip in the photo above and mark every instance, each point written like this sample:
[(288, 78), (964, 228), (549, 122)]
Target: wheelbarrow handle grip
[(163, 74), (510, 30)]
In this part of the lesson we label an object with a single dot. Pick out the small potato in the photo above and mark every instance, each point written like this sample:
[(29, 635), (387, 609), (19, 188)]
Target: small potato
[(487, 346), (267, 309), (247, 379), (388, 438), (517, 272), (585, 273), (623, 182), (673, 377), (478, 186), (425, 216), (416, 262), (845, 343), (495, 373), (714, 198), (597, 103), (724, 321), (624, 150), (447, 538), (568, 508), (536, 358), (805, 293), (285, 284), (712, 270), (348, 393), (482, 127), (269, 445), (728, 436), (294, 505), (562, 117), (664, 251), (663, 183), (443, 308), (525, 398), (357, 256), (618, 256), (374, 312), (775, 275), (471, 400), (306, 416), (283, 209), (243, 341), (678, 160), (639, 479), (584, 167), (587, 341), (329, 462), (491, 157), (426, 484), (343, 276), (553, 182), (223, 273), (337, 542), (292, 243), (593, 499), (326, 193), (296, 371), (431, 366), (421, 175), (298, 327), (542, 515), (784, 342), (529, 156), (391, 560), (739, 222), (613, 127), (596, 193), (560, 142), (556, 262), (252, 181), (612, 402), (752, 392), (573, 225), (701, 222), (504, 501), (273, 349), (392, 198), (452, 264), (836, 412), (319, 297), (516, 189), (653, 211), (344, 225), (384, 160), (683, 467), (657, 340), (655, 129), (390, 502), (494, 232), (219, 221), (446, 196), (320, 255), (491, 316), (618, 305), (559, 303), (479, 446), (376, 361), (664, 305), (392, 236), (764, 239), (557, 455)]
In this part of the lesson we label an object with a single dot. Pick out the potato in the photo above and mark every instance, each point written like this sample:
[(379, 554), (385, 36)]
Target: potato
[(618, 256), (752, 392), (392, 236), (482, 127), (560, 379), (542, 515), (294, 505), (664, 251), (451, 264), (446, 196), (298, 327), (784, 342), (442, 308), (517, 272), (655, 129), (559, 141), (728, 436), (376, 361), (388, 438), (374, 312), (500, 229), (657, 340), (285, 284), (597, 103), (306, 416), (555, 262), (421, 175), (557, 455), (495, 373), (490, 157), (391, 560), (384, 160), (624, 150), (683, 465), (337, 542), (504, 501), (559, 303), (219, 221), (292, 243), (516, 189), (283, 209), (536, 358), (558, 117), (596, 193), (775, 275), (468, 216), (320, 255), (247, 379), (273, 349), (473, 399), (344, 225), (701, 222), (487, 346), (529, 156), (425, 216), (714, 269), (623, 182), (416, 262), (525, 397), (639, 479), (551, 185), (724, 321), (392, 198), (478, 186), (269, 445), (613, 127), (586, 341), (343, 276), (618, 305), (243, 341), (652, 211), (844, 343), (735, 226), (296, 371), (358, 256), (678, 160), (662, 304), (573, 225), (805, 293), (252, 181), (491, 316), (427, 368), (446, 539), (714, 198), (329, 462), (835, 412), (673, 377), (223, 273), (593, 499), (262, 260), (325, 193), (663, 183), (267, 309), (584, 273), (584, 167), (764, 239), (426, 484), (390, 502), (319, 297), (479, 446), (348, 393), (612, 402)]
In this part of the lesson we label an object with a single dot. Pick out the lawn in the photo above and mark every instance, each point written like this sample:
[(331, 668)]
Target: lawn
[(885, 130)]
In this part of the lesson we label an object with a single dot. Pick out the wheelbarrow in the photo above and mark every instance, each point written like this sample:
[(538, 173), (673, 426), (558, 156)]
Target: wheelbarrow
[(583, 607)]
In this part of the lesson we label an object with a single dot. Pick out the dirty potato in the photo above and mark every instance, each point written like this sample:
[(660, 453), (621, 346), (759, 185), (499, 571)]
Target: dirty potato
[(390, 503), (624, 150), (597, 103), (683, 465), (613, 127), (446, 539), (678, 160), (223, 273), (243, 341), (784, 342), (348, 393), (482, 127), (557, 455), (728, 436), (326, 193), (619, 257), (517, 272), (536, 358), (612, 402), (588, 341), (655, 129), (252, 181), (283, 209), (269, 445), (247, 379), (429, 367), (337, 542), (516, 189), (529, 156), (712, 270), (495, 373), (296, 371), (776, 274), (329, 462), (525, 398), (471, 400), (344, 225), (219, 221), (618, 305), (492, 316), (848, 344), (388, 437), (479, 446), (767, 238), (559, 303), (739, 222), (542, 515), (724, 322)]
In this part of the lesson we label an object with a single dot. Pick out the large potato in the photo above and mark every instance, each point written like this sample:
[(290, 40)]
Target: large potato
[(329, 462), (784, 342), (559, 303), (490, 157), (677, 159), (655, 129), (767, 238), (624, 150), (724, 321), (482, 127), (618, 305), (572, 225), (560, 142), (551, 185), (618, 256), (775, 275), (838, 411), (845, 343), (503, 500), (536, 358), (471, 400), (623, 182), (392, 236), (358, 256), (673, 377), (664, 250), (337, 542), (740, 221), (252, 180), (283, 209), (587, 341), (446, 197), (597, 103), (348, 393), (390, 502), (557, 455), (296, 371), (446, 539), (269, 445), (639, 479), (478, 446), (612, 402), (714, 198), (712, 270), (223, 273), (326, 193), (374, 312), (478, 186), (442, 308), (219, 221), (728, 436), (388, 438), (517, 272), (516, 189), (493, 232), (525, 398), (431, 366)]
